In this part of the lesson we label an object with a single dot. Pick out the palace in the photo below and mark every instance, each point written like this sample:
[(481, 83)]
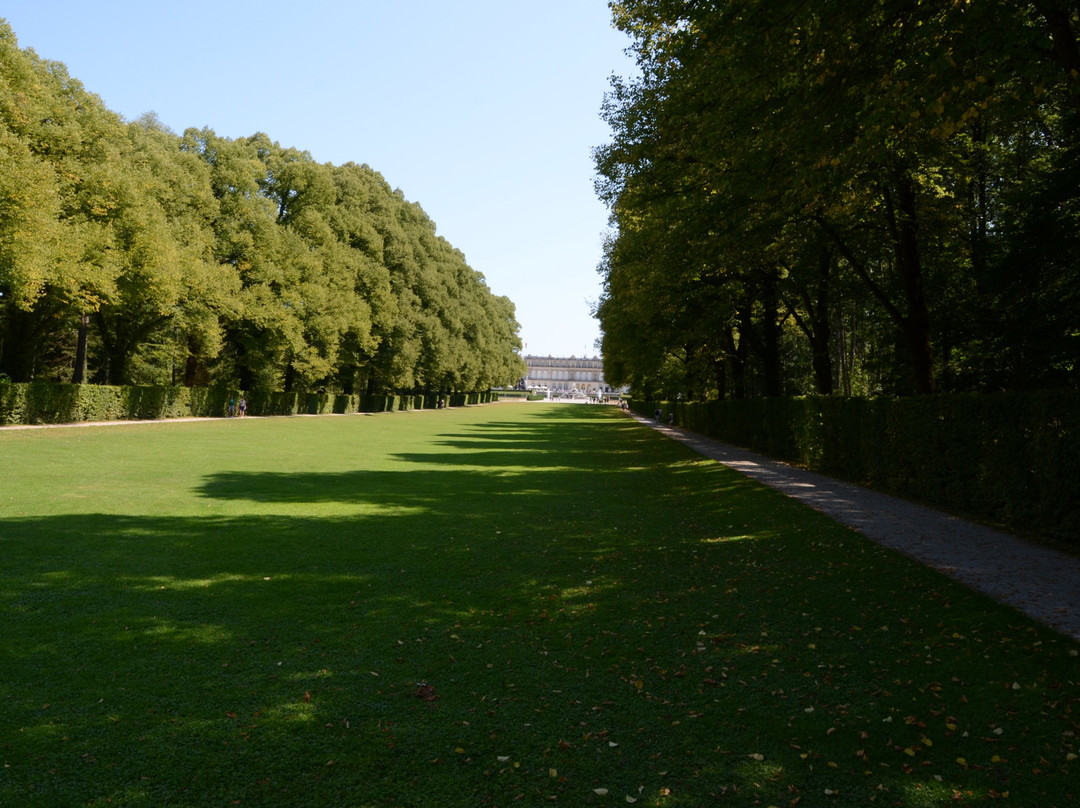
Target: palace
[(566, 376)]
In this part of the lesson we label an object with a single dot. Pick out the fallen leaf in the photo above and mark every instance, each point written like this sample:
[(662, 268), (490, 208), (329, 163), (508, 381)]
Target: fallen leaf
[(600, 791)]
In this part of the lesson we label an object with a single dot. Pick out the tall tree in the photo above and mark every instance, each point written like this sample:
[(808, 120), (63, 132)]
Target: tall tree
[(140, 256), (757, 128)]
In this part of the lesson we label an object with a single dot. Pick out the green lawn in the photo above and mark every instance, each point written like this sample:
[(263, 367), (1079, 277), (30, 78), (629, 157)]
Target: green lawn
[(517, 604)]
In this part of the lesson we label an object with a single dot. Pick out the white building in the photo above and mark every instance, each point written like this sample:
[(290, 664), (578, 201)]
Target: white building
[(567, 376)]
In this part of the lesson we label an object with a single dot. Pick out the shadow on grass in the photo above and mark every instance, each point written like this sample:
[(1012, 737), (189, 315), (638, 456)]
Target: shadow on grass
[(544, 610)]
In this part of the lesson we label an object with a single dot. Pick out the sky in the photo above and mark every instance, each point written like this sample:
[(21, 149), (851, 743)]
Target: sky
[(484, 112)]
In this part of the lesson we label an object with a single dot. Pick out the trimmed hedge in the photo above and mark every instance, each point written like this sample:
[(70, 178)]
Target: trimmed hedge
[(1006, 458), (52, 403)]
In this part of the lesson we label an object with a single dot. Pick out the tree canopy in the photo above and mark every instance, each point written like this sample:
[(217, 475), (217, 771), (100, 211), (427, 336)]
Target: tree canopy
[(869, 197), (131, 254)]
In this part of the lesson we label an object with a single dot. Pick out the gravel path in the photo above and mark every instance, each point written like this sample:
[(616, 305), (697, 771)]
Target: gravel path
[(1040, 582)]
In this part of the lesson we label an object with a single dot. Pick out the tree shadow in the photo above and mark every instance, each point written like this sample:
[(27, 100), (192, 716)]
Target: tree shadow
[(492, 459), (544, 595), (282, 641)]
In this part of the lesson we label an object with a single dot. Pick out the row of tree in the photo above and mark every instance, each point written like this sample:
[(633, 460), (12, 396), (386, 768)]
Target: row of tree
[(865, 197), (130, 254)]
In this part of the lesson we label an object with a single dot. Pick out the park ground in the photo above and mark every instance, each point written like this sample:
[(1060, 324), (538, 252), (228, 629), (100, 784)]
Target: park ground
[(499, 605)]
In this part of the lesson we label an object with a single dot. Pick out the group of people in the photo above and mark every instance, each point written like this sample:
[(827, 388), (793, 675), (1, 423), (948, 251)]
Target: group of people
[(237, 407)]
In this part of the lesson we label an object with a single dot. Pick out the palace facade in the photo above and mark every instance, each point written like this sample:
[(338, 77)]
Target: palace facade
[(567, 376)]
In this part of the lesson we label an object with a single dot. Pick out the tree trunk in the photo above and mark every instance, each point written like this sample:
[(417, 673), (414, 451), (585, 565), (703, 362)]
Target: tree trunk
[(114, 370), (770, 325), (79, 375), (721, 380), (737, 354), (23, 333), (916, 325), (845, 365), (822, 362), (821, 327), (1066, 48)]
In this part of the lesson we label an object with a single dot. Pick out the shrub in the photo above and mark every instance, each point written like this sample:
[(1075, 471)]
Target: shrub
[(52, 403), (1006, 458)]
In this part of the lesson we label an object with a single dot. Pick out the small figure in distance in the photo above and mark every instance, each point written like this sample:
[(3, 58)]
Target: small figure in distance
[(232, 406), (671, 419), (657, 414), (242, 409)]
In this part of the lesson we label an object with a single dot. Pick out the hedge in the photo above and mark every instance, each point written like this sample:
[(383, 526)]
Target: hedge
[(52, 403), (1011, 459)]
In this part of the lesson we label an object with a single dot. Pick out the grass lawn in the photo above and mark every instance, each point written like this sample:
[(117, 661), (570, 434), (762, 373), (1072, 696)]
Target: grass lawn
[(518, 604)]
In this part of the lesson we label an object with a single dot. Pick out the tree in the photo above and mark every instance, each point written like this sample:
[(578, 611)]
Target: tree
[(54, 131), (138, 256), (779, 146)]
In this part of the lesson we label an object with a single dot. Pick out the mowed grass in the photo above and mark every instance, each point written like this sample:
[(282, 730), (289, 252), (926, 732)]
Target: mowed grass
[(506, 605)]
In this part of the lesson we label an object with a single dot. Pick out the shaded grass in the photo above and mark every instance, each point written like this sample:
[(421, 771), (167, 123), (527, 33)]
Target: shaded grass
[(492, 606)]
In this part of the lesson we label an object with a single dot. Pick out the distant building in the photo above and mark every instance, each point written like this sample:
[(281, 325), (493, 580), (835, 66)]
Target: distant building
[(567, 376)]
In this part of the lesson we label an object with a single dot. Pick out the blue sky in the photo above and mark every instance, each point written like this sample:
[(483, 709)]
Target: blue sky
[(482, 111)]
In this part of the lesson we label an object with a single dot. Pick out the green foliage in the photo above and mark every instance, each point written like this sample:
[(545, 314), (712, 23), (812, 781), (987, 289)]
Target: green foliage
[(207, 261), (896, 183), (1007, 458), (51, 403)]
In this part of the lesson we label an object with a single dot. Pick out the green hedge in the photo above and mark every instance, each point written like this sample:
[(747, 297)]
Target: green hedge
[(51, 403), (45, 403), (1007, 458)]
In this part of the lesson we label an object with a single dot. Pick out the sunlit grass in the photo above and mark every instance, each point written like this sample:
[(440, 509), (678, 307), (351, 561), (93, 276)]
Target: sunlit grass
[(504, 605)]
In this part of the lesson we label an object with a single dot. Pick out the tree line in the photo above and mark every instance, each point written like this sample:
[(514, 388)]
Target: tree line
[(133, 255), (872, 197)]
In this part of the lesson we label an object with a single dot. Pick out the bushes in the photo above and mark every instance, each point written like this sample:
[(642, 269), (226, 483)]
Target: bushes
[(1007, 458), (40, 402), (52, 403)]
